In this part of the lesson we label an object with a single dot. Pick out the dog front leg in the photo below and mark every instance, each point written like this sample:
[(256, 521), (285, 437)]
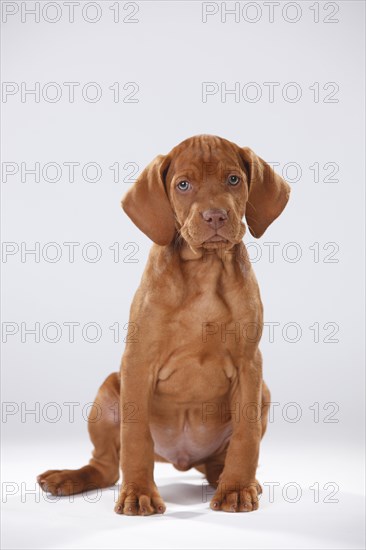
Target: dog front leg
[(139, 494), (238, 489)]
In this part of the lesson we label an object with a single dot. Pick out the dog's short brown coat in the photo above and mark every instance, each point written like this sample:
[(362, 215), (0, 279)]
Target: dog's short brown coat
[(190, 387)]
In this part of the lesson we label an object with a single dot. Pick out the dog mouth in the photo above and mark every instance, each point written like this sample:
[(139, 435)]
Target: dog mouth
[(215, 239)]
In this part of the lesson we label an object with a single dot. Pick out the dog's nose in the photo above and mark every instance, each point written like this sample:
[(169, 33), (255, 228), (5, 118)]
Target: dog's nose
[(215, 217)]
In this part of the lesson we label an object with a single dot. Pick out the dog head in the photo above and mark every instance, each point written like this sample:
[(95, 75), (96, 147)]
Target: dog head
[(202, 190)]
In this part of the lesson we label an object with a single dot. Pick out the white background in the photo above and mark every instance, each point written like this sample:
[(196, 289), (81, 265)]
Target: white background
[(169, 52)]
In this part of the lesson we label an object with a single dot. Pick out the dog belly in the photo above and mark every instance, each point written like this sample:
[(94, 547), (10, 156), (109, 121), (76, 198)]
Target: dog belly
[(188, 428), (188, 436), (190, 420)]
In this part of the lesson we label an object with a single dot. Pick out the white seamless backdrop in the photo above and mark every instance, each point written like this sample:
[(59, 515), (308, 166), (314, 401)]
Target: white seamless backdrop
[(91, 92)]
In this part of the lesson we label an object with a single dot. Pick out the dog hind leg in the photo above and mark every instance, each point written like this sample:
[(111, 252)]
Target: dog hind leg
[(104, 430)]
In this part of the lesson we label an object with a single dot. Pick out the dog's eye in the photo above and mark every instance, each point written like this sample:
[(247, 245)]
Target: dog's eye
[(233, 180), (184, 185)]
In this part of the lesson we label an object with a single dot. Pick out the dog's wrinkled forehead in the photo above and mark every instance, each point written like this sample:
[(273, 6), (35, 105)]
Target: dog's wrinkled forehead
[(202, 156)]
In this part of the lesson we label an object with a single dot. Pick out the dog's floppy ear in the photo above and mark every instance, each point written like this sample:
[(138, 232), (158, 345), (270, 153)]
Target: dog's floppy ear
[(268, 193), (147, 203)]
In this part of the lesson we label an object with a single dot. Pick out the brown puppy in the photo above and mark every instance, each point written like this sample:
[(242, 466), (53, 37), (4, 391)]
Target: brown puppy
[(190, 389)]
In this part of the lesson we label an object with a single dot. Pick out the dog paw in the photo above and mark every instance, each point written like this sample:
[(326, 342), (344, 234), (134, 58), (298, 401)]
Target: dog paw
[(236, 497), (70, 482), (58, 482), (139, 500)]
